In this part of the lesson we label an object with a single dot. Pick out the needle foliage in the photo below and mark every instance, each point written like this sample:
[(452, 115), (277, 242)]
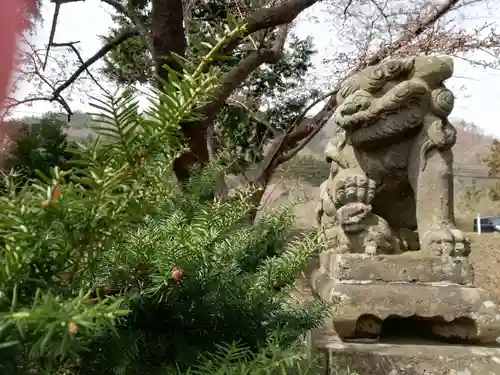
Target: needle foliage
[(110, 267)]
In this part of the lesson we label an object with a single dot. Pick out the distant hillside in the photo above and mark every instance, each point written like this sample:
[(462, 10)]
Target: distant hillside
[(471, 147), (301, 175), (472, 144)]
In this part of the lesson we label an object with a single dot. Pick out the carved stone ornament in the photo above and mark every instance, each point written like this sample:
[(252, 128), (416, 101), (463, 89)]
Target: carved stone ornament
[(391, 245), (391, 161)]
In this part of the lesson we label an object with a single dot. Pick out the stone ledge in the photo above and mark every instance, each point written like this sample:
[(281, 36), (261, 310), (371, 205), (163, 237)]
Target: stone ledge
[(410, 359), (406, 267), (406, 300)]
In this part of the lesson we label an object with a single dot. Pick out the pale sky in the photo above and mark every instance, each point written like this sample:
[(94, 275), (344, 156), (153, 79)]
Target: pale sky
[(478, 102)]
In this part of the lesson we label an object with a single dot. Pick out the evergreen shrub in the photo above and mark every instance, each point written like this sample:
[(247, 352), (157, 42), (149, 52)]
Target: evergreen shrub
[(110, 267)]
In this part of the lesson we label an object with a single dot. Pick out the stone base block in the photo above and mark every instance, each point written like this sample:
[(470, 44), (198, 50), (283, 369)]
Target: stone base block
[(452, 311), (407, 267), (410, 359)]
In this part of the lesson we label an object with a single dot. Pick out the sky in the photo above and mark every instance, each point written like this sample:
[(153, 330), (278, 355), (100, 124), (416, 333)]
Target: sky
[(477, 90)]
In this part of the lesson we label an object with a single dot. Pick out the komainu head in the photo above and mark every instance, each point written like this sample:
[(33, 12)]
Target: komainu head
[(396, 96)]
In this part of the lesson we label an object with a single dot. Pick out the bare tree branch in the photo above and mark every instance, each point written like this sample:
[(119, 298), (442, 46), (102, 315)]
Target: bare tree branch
[(35, 61), (196, 132), (237, 75), (138, 29), (14, 102), (282, 152), (282, 14), (127, 34), (57, 86), (266, 18), (71, 45), (346, 9), (52, 33), (308, 135), (143, 32)]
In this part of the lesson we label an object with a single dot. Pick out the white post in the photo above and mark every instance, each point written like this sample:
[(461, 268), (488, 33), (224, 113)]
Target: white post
[(478, 223)]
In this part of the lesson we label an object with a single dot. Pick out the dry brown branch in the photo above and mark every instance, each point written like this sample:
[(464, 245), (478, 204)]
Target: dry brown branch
[(196, 132), (71, 45), (290, 143), (237, 75), (52, 33), (53, 27), (120, 38), (374, 30), (32, 62), (32, 57), (268, 18), (84, 65), (141, 29)]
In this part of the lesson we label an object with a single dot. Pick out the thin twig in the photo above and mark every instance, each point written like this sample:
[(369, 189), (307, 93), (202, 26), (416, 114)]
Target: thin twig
[(127, 34), (295, 134), (79, 56), (143, 32), (52, 33)]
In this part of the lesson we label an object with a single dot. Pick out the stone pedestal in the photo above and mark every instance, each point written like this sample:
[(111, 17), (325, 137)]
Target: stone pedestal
[(409, 359), (435, 292)]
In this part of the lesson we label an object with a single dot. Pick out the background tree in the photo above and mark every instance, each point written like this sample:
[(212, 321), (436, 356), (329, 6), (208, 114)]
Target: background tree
[(111, 267), (37, 145), (493, 163), (269, 98), (372, 30), (471, 197)]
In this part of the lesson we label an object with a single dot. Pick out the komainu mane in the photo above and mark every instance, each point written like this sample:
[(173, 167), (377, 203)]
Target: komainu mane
[(391, 161)]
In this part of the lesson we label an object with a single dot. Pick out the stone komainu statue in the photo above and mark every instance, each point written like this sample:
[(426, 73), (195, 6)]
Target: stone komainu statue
[(391, 161)]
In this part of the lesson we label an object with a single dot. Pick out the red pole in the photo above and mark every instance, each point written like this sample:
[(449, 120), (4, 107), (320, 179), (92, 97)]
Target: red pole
[(13, 20)]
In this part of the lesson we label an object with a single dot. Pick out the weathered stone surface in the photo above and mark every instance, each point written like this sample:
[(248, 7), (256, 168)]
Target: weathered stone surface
[(391, 157), (407, 267), (410, 359), (363, 307)]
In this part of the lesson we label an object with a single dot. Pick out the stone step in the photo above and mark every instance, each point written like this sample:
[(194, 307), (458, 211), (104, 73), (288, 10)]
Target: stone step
[(407, 267), (409, 359)]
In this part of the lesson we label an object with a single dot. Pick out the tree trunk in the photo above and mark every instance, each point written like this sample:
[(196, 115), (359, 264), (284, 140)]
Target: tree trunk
[(197, 155), (169, 36)]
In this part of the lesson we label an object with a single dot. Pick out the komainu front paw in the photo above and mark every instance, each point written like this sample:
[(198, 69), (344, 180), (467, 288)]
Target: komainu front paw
[(371, 248), (408, 240), (447, 242)]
